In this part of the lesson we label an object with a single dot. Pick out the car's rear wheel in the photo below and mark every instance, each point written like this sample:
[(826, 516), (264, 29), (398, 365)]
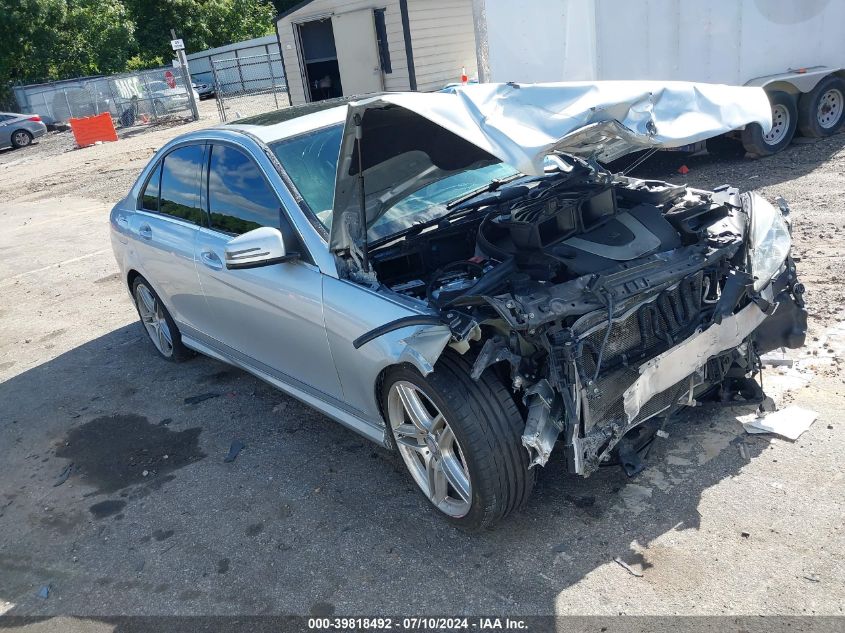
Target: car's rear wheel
[(21, 138), (460, 440), (784, 123), (157, 322)]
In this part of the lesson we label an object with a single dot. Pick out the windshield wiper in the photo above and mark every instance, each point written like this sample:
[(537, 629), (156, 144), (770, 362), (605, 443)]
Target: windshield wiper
[(493, 185), (414, 229)]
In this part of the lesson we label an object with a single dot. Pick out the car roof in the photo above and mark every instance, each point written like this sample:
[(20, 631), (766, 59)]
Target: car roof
[(293, 120)]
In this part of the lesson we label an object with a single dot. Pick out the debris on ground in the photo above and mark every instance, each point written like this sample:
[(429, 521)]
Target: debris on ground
[(776, 361), (745, 534), (201, 397), (44, 592), (745, 420), (683, 170), (790, 422), (630, 569), (812, 577), (64, 475), (236, 447)]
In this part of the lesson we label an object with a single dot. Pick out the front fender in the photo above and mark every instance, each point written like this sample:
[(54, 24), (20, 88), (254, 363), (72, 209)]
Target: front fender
[(351, 310)]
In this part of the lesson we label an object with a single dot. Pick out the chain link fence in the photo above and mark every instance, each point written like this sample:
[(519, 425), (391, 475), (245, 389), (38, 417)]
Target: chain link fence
[(246, 86), (137, 98)]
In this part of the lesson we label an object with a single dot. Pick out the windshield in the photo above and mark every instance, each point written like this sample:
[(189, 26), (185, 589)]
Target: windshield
[(311, 162)]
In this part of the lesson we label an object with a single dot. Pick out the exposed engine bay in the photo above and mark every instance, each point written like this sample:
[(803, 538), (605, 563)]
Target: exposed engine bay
[(605, 301)]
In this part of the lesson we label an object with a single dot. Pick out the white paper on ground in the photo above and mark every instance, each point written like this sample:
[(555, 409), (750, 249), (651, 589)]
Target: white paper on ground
[(790, 422), (746, 420)]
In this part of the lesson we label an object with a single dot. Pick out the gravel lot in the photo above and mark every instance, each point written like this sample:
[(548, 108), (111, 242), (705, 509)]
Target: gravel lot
[(312, 519)]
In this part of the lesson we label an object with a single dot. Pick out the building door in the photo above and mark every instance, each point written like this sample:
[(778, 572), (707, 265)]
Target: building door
[(357, 52), (318, 59)]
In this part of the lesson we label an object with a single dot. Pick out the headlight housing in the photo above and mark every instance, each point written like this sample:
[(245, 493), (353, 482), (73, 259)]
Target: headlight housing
[(768, 240)]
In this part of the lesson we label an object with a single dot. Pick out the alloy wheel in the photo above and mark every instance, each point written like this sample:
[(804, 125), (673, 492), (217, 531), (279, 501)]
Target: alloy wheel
[(21, 139), (152, 316), (430, 449)]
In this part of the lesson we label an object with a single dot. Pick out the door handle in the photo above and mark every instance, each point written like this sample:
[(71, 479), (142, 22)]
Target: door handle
[(145, 232), (210, 259)]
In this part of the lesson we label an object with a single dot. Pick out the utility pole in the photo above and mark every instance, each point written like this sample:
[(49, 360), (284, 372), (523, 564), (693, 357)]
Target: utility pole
[(179, 46)]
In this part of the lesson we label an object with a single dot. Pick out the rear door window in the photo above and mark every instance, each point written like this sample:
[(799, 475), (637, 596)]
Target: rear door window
[(180, 184)]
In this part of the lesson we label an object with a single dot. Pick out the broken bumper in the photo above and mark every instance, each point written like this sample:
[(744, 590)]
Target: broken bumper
[(591, 414)]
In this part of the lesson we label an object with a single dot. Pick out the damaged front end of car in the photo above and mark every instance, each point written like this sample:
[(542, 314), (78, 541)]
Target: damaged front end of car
[(605, 301), (609, 350)]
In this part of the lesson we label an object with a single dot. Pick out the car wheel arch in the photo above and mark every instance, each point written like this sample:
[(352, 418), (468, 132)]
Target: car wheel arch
[(500, 370), (131, 276)]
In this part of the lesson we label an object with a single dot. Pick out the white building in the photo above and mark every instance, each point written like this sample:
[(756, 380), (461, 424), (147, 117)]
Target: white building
[(332, 48)]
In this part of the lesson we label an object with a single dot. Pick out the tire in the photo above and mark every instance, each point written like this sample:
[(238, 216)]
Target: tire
[(486, 450), (784, 124), (21, 138), (157, 323), (821, 112)]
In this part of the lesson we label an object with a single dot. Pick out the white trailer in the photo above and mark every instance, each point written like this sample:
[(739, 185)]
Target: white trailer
[(794, 49)]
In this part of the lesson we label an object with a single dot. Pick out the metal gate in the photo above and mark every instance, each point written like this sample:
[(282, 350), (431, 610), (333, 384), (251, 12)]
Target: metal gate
[(246, 86)]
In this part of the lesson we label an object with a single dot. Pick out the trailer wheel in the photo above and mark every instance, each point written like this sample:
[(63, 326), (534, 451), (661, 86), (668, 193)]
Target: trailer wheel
[(784, 123), (821, 112)]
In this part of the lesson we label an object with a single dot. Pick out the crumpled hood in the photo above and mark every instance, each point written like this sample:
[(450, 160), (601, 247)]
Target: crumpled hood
[(410, 140)]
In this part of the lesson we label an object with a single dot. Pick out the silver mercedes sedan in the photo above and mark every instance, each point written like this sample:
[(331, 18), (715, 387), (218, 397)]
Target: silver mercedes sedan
[(456, 276)]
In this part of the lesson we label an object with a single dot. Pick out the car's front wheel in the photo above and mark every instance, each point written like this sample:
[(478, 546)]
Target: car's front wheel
[(158, 323), (460, 440)]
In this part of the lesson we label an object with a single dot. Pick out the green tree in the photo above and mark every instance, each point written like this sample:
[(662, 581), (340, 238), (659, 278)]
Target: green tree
[(29, 30), (284, 5), (56, 39), (201, 23), (97, 38)]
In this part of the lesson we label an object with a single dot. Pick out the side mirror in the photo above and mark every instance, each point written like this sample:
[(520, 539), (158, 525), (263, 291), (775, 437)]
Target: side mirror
[(264, 246)]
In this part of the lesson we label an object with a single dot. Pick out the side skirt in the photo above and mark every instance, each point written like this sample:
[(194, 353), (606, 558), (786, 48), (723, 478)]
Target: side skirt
[(372, 431)]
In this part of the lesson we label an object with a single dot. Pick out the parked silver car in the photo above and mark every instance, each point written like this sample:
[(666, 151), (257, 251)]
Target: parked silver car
[(454, 275), (19, 130), (165, 99)]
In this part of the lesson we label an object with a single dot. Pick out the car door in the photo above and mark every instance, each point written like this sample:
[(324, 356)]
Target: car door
[(164, 229), (5, 130), (270, 317)]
